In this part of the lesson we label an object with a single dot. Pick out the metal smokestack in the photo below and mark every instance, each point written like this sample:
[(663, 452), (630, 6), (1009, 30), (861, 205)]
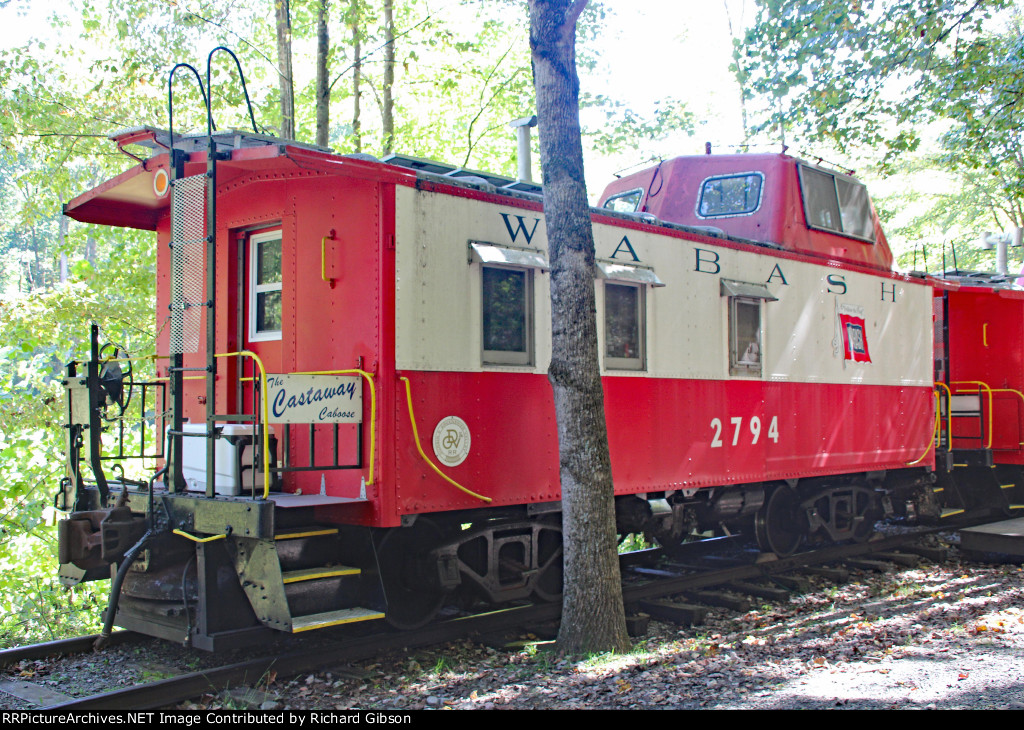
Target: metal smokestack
[(522, 127)]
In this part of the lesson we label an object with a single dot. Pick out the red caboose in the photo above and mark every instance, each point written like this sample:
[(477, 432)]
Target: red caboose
[(979, 357), (357, 352)]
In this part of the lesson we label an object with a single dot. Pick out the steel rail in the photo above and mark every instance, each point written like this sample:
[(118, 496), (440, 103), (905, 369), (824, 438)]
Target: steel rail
[(62, 647)]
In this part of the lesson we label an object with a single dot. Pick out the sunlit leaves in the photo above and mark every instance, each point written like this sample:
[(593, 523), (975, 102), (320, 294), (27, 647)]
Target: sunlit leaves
[(846, 72)]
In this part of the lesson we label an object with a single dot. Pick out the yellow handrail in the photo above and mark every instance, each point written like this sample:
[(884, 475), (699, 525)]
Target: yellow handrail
[(949, 415), (373, 405), (193, 538), (988, 390), (263, 400), (935, 434), (1015, 392), (323, 258), (416, 438)]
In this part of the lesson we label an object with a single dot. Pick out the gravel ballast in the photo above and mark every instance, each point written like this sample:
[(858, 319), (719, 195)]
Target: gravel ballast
[(948, 636)]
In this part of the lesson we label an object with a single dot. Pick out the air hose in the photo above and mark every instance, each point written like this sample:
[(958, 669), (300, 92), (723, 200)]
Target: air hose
[(115, 588), (122, 570)]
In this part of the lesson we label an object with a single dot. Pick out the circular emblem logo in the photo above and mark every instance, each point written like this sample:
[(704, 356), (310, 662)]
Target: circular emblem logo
[(451, 441)]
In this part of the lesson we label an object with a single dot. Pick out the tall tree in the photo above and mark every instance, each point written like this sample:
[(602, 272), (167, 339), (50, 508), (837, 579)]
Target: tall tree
[(387, 101), (323, 89), (284, 67), (357, 71), (593, 618)]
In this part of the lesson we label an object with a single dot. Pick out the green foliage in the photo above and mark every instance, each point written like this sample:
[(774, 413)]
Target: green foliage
[(633, 542), (623, 128), (42, 331), (33, 605), (933, 218), (867, 72)]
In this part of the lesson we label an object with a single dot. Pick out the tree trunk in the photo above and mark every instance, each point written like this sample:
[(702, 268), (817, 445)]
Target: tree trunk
[(593, 618), (387, 120), (323, 88), (62, 235), (284, 63), (357, 73), (739, 59)]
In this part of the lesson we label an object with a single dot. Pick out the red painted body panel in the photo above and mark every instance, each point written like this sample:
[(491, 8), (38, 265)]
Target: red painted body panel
[(660, 434)]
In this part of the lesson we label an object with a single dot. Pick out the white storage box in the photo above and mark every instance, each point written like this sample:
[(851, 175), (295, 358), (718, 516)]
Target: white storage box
[(229, 454)]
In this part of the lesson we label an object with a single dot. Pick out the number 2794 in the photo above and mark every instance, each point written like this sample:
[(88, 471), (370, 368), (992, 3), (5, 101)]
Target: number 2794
[(752, 431)]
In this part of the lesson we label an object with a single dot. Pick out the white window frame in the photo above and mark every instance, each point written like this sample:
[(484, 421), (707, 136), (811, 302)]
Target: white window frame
[(730, 176), (628, 363), (256, 289), (746, 293), (736, 367), (510, 357), (639, 192)]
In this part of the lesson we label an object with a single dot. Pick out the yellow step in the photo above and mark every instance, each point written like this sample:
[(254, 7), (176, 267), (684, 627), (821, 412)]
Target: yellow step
[(306, 532), (951, 512), (333, 618), (1007, 486), (296, 576)]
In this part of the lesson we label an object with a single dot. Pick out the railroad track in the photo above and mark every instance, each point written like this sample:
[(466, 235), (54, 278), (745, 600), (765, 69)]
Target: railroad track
[(687, 573)]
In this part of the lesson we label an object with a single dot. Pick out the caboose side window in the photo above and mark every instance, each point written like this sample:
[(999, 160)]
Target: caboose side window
[(744, 336), (744, 309), (837, 203), (628, 202), (728, 195), (265, 286), (623, 326), (507, 316)]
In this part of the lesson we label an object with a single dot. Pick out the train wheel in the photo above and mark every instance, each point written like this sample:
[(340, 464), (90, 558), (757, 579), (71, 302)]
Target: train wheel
[(548, 586), (869, 514), (779, 524), (408, 576)]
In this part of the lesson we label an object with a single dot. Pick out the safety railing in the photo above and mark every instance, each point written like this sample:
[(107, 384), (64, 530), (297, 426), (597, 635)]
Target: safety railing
[(985, 407), (311, 444), (943, 434)]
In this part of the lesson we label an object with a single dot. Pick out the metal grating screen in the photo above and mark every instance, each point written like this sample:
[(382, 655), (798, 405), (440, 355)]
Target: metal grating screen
[(188, 235)]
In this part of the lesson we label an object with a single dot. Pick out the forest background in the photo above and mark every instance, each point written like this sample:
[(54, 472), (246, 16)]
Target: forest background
[(922, 97)]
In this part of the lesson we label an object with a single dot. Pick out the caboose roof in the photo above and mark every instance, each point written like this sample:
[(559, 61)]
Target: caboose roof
[(131, 200), (673, 191)]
